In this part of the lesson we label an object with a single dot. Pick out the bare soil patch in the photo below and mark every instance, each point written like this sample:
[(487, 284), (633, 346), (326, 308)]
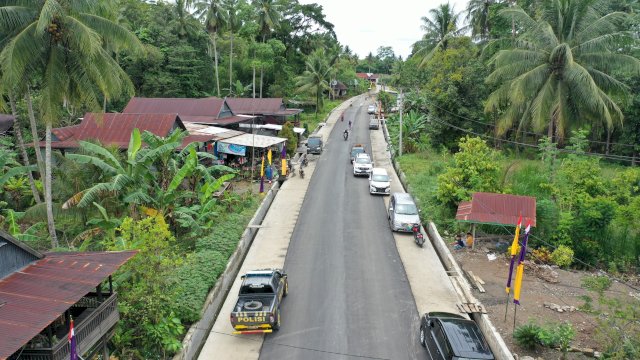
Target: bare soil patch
[(563, 290)]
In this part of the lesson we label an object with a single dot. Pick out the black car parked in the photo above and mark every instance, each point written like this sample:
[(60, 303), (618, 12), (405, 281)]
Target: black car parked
[(451, 337)]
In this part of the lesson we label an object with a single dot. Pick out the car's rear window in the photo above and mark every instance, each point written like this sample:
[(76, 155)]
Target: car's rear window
[(313, 141), (406, 209)]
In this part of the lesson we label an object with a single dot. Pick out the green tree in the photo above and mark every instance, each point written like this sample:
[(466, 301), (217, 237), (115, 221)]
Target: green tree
[(560, 72), (63, 44), (315, 78), (215, 17), (439, 27), (292, 139), (269, 15), (475, 169)]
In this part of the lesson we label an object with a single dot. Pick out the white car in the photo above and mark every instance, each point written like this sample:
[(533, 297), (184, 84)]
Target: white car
[(379, 182), (371, 109), (362, 165)]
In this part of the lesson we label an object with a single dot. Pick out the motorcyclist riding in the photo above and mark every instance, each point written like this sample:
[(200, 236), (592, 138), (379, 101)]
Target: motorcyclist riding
[(345, 134)]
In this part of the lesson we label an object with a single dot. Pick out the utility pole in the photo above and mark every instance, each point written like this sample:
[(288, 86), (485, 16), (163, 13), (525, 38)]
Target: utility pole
[(400, 108)]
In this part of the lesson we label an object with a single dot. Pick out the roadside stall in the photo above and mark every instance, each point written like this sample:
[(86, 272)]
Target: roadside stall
[(245, 153)]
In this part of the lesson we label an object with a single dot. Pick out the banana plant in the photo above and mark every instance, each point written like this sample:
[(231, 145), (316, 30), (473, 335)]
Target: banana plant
[(130, 179)]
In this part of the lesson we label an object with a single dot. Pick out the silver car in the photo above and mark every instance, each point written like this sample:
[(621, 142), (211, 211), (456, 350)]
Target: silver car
[(403, 212)]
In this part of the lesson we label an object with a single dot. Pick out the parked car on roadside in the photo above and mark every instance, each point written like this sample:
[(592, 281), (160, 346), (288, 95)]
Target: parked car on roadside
[(355, 150), (314, 145), (257, 309), (452, 337), (379, 182), (402, 212), (374, 124), (362, 165)]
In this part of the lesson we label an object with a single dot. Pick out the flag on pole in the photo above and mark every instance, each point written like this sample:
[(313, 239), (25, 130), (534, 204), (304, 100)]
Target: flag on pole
[(284, 159), (261, 168), (514, 252), (269, 156), (520, 269), (261, 184), (73, 355)]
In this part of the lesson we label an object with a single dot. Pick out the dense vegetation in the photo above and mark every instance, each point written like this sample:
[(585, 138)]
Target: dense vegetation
[(526, 98)]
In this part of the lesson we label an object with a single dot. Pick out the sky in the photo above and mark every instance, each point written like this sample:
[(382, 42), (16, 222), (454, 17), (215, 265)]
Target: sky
[(365, 25)]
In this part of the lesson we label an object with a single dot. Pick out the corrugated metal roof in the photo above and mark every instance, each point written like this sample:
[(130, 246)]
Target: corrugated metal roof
[(207, 107), (264, 106), (114, 129), (504, 209), (229, 120), (258, 141), (34, 297), (251, 106)]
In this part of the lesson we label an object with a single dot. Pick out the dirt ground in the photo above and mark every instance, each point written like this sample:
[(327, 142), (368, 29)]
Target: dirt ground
[(535, 293)]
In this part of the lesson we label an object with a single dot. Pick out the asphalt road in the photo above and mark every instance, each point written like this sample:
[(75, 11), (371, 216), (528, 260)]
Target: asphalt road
[(349, 296)]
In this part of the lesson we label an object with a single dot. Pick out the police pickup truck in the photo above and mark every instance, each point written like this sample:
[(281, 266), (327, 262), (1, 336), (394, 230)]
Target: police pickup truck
[(258, 307)]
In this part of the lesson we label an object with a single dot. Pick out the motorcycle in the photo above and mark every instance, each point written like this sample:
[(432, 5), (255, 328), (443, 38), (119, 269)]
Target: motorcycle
[(418, 237), (301, 173), (345, 135), (305, 162)]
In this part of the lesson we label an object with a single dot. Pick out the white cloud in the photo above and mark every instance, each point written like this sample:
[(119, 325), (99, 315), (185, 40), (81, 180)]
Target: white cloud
[(366, 25)]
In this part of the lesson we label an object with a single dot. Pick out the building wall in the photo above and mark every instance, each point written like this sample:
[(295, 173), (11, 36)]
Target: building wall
[(12, 258)]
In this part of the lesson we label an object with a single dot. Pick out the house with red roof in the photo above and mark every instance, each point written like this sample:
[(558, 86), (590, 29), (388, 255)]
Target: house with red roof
[(372, 78), (41, 293), (266, 110), (115, 130), (208, 111)]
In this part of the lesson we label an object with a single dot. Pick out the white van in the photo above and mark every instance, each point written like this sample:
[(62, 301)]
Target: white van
[(379, 182)]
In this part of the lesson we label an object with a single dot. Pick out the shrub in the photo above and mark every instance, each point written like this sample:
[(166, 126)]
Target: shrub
[(541, 255), (562, 256), (528, 335), (596, 283), (558, 335)]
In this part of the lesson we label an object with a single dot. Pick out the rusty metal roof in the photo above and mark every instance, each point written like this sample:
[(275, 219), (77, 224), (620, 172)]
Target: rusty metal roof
[(229, 120), (34, 297), (251, 106), (114, 129), (209, 108), (263, 106), (500, 209)]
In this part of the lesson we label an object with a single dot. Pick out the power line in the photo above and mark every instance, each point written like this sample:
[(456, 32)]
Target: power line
[(305, 348), (610, 157), (526, 132)]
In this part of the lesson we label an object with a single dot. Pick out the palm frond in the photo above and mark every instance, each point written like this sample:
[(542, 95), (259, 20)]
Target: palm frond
[(93, 160), (112, 32), (50, 10)]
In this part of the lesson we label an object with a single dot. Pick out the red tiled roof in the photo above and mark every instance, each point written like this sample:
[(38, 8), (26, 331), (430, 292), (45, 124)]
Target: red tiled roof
[(34, 297), (502, 209), (362, 75), (114, 129), (207, 107)]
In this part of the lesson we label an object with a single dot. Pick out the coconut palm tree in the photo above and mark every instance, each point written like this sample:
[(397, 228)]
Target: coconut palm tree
[(233, 24), (269, 15), (214, 16), (315, 78), (439, 27), (560, 71), (478, 17), (61, 43)]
